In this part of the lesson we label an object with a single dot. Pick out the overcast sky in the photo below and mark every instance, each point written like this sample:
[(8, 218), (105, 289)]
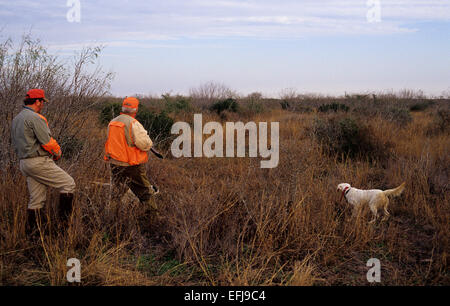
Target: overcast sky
[(324, 46)]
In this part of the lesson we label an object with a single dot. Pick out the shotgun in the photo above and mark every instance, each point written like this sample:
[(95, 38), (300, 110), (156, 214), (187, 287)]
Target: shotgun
[(157, 154)]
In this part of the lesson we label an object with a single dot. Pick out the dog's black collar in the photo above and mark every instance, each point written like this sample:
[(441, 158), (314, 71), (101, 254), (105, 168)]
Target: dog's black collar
[(344, 193)]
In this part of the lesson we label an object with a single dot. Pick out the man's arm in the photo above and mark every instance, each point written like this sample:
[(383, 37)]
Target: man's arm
[(140, 137), (42, 132)]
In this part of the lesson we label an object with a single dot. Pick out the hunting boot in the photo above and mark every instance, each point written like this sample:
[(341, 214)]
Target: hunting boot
[(65, 208), (34, 216), (149, 202)]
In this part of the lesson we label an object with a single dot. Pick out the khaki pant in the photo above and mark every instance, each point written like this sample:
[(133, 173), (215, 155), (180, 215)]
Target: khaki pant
[(135, 178), (42, 172)]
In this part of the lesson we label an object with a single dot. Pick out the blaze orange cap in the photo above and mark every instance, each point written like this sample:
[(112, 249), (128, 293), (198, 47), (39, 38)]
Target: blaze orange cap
[(130, 102), (36, 94)]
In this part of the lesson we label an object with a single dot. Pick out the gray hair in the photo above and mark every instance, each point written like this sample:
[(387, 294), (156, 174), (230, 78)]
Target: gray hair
[(127, 110)]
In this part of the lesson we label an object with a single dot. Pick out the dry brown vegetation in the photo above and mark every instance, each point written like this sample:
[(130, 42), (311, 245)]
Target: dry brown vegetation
[(226, 221)]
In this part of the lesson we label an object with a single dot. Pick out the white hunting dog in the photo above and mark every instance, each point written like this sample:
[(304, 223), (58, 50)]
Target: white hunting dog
[(375, 198)]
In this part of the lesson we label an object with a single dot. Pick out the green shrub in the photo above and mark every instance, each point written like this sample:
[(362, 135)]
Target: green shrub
[(400, 116), (109, 111), (303, 109), (440, 123), (443, 119), (361, 98), (285, 105), (71, 146), (176, 104), (335, 107), (255, 107), (230, 105), (420, 106), (348, 137), (157, 125)]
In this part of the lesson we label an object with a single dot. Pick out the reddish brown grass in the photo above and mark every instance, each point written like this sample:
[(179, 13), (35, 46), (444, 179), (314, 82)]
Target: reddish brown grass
[(226, 221)]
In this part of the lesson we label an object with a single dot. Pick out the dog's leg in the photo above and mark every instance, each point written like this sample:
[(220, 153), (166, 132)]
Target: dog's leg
[(374, 210), (355, 211), (386, 213)]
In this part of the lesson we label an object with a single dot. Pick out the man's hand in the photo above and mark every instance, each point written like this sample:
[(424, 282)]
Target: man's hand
[(57, 155)]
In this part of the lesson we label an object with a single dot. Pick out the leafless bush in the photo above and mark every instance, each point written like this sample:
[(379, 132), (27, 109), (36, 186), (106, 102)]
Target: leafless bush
[(293, 101), (288, 94), (255, 96), (251, 105), (210, 92), (411, 94), (72, 87), (288, 98)]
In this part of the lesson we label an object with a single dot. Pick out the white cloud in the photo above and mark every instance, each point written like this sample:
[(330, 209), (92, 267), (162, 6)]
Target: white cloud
[(152, 20)]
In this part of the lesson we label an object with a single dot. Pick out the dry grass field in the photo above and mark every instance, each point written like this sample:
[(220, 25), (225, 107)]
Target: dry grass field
[(226, 221)]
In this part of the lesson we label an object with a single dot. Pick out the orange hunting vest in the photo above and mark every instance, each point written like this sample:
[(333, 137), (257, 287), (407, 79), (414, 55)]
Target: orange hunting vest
[(120, 145)]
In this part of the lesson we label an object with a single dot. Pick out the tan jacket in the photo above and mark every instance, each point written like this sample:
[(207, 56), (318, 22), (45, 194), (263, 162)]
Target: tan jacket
[(140, 137)]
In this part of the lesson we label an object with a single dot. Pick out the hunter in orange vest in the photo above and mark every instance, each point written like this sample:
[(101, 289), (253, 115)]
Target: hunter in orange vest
[(126, 151)]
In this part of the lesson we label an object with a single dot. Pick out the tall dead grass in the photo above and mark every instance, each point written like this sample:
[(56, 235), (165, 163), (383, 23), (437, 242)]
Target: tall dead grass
[(226, 221)]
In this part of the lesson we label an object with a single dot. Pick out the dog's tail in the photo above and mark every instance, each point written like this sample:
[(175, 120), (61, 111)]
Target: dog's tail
[(396, 191)]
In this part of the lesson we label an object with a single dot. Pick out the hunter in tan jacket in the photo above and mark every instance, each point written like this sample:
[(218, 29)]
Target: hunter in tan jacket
[(126, 149)]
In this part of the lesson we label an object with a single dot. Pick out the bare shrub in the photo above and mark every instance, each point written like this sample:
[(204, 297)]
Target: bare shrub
[(251, 105), (446, 94), (411, 94), (292, 101), (72, 88), (288, 98), (210, 92)]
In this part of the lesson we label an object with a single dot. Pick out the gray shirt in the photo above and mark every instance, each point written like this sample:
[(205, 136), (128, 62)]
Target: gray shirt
[(29, 130)]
